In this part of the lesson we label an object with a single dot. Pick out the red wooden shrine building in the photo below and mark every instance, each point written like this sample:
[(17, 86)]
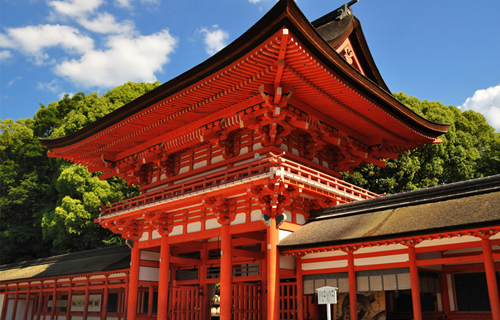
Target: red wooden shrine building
[(233, 156)]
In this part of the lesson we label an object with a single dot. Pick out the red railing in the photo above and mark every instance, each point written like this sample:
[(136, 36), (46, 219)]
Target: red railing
[(299, 174)]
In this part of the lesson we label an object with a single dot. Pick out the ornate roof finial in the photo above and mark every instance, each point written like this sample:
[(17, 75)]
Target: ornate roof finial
[(345, 10)]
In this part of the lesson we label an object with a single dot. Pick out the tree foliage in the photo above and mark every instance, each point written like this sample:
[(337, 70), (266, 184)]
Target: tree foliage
[(48, 205), (470, 149)]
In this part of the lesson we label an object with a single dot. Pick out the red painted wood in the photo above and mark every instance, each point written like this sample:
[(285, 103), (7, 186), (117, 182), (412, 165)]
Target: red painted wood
[(272, 270), (353, 291), (415, 285), (491, 279), (226, 274), (133, 284), (163, 285)]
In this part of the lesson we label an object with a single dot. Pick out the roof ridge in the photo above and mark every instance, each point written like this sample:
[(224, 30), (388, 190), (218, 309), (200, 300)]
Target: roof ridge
[(414, 197)]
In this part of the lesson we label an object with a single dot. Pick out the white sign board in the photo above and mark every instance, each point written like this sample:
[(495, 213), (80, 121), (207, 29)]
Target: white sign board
[(327, 295)]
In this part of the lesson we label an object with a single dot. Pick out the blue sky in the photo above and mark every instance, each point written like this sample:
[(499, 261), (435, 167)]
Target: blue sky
[(446, 50)]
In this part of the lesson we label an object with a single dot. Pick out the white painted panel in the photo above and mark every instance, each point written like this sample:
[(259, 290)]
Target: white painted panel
[(379, 249), (316, 160), (255, 215), (445, 241), (150, 255), (376, 283), (284, 147), (212, 224), (154, 179), (404, 281), (155, 234), (200, 164), (308, 286), (496, 236), (145, 237), (362, 284), (217, 159), (288, 215), (20, 309), (287, 262), (332, 282), (283, 233), (10, 308), (240, 218), (324, 265), (325, 164), (257, 146), (300, 218), (381, 260), (194, 227), (343, 285), (76, 318), (389, 282), (176, 230), (1, 301), (324, 254), (183, 169), (244, 150), (149, 274)]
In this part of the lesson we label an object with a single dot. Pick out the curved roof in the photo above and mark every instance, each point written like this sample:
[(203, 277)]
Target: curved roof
[(324, 83)]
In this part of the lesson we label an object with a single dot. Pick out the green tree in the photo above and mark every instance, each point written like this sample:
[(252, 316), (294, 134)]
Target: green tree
[(470, 149), (48, 205)]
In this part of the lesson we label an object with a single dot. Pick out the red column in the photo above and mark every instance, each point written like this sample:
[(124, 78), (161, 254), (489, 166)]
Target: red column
[(104, 305), (415, 285), (86, 303), (163, 279), (54, 300), (272, 271), (205, 312), (226, 274), (133, 285), (353, 289), (70, 298), (150, 301), (489, 268), (4, 306), (445, 298), (40, 302), (300, 288), (16, 298), (26, 306)]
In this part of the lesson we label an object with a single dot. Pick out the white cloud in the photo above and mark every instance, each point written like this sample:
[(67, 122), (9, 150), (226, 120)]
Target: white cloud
[(126, 59), (5, 54), (34, 40), (11, 82), (75, 8), (123, 3), (50, 86), (214, 39), (487, 102), (106, 23)]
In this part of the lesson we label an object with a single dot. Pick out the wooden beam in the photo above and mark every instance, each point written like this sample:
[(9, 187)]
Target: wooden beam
[(247, 254)]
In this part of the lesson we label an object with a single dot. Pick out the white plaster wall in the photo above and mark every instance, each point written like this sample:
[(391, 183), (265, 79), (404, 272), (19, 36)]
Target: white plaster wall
[(324, 265), (216, 159), (212, 224), (445, 241), (287, 262), (299, 218), (381, 260), (200, 164), (149, 273), (176, 231), (239, 219), (194, 227), (150, 255), (255, 215), (324, 254)]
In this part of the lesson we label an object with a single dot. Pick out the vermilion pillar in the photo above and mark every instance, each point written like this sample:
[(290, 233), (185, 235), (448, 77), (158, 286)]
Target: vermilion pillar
[(444, 293), (353, 289), (4, 306), (226, 274), (415, 285), (300, 288), (491, 279), (86, 303), (104, 306), (133, 285), (70, 298), (163, 278), (16, 298), (54, 300), (27, 304), (272, 271)]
